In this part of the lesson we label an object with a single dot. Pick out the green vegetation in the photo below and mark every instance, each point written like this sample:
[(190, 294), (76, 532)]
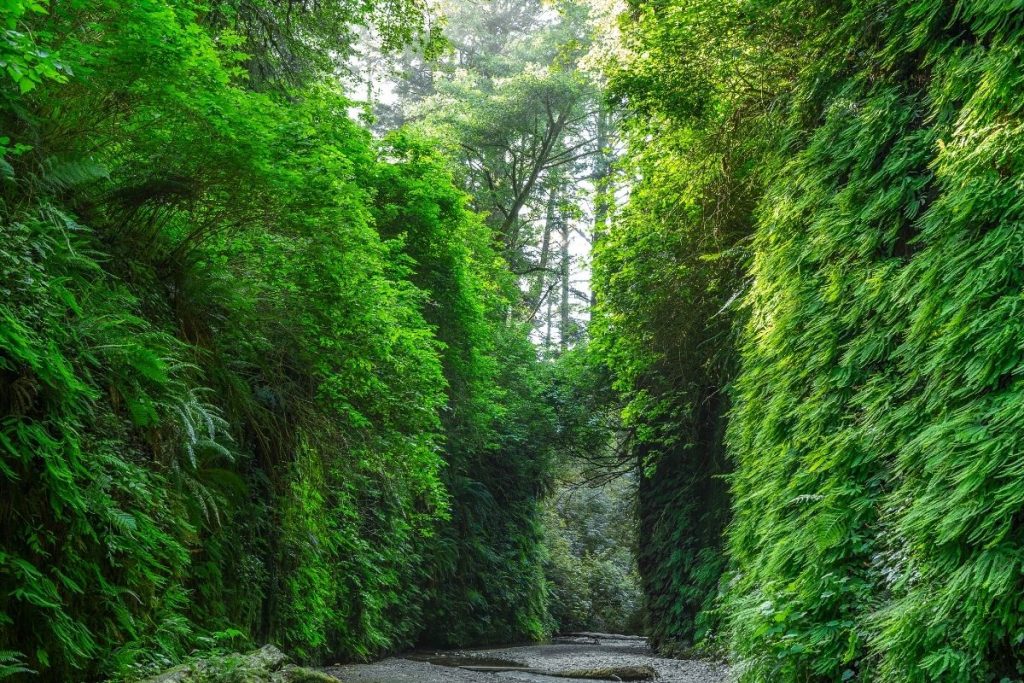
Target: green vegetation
[(272, 374), (824, 233), (590, 518), (668, 275), (892, 441), (256, 378)]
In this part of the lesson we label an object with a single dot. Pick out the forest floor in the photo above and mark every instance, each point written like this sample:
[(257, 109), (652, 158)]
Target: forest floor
[(564, 656)]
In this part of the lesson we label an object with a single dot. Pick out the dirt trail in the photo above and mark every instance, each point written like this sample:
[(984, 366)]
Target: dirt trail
[(591, 652)]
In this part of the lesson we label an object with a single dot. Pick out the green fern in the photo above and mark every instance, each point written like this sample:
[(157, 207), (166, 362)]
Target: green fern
[(12, 664)]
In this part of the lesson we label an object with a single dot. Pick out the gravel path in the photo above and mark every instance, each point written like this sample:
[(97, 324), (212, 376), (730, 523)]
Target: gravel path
[(584, 653)]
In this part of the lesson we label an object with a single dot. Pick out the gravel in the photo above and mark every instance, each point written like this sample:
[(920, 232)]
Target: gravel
[(591, 653)]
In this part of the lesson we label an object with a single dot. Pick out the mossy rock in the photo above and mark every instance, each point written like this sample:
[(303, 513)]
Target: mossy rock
[(266, 665), (298, 674)]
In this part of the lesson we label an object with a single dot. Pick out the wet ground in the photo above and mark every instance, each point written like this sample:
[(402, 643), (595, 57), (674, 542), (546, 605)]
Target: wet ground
[(573, 654)]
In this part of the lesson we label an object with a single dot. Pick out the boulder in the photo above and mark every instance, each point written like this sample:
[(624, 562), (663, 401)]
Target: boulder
[(265, 665)]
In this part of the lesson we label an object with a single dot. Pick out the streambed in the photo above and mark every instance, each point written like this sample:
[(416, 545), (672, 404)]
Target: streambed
[(533, 663)]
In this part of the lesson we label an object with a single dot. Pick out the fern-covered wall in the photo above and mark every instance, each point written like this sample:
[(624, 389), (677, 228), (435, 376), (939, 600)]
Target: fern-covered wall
[(684, 507), (254, 367), (486, 583), (873, 433), (668, 277)]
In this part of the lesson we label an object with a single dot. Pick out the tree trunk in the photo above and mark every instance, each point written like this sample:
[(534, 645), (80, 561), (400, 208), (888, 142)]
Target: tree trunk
[(602, 183), (563, 312), (510, 226), (537, 287)]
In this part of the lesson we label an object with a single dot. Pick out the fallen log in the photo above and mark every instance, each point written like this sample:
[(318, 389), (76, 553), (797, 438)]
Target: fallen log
[(501, 669), (610, 673), (605, 673), (601, 636)]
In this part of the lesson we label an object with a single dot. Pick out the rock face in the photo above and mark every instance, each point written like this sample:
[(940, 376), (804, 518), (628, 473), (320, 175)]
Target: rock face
[(265, 665)]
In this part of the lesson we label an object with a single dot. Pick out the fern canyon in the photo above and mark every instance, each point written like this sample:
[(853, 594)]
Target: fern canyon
[(469, 341)]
